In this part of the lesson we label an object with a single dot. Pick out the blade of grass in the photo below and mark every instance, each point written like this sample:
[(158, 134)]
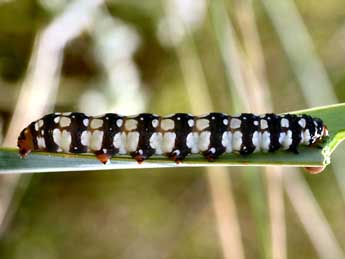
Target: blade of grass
[(333, 116), (269, 206), (218, 179), (311, 216), (39, 88), (246, 93), (317, 90)]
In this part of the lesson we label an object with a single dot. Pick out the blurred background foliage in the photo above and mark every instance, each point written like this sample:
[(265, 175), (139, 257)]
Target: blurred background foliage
[(164, 57)]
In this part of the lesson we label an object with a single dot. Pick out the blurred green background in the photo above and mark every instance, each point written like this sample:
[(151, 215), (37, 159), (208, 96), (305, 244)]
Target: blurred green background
[(164, 57)]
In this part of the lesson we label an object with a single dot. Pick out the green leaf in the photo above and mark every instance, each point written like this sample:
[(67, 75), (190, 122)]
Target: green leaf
[(333, 116)]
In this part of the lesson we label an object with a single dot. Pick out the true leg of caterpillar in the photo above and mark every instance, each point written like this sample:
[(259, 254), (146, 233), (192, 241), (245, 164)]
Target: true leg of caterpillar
[(25, 143)]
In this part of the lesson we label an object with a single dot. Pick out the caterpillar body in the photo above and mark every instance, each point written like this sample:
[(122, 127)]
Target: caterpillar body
[(174, 136)]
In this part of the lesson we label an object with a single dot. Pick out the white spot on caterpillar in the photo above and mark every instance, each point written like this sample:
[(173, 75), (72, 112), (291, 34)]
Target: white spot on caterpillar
[(302, 138), (225, 121), (57, 119), (36, 126), (190, 122), (66, 140), (204, 140), (41, 143), (85, 138), (40, 123), (202, 124), (131, 124), (168, 142), (193, 142), (284, 123), (256, 139), (306, 137), (287, 140), (263, 124), (189, 140), (57, 137), (120, 142), (119, 123), (235, 123), (96, 123), (265, 141), (132, 141), (237, 141), (117, 140), (65, 122), (302, 123), (227, 141), (156, 142), (96, 140), (178, 118), (167, 124), (281, 137), (104, 150), (155, 123), (86, 122), (256, 123)]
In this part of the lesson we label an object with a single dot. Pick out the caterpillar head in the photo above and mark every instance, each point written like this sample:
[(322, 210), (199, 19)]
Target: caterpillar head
[(321, 131), (324, 131), (25, 142)]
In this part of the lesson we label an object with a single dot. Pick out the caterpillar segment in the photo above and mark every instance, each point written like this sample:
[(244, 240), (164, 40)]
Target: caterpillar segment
[(175, 136)]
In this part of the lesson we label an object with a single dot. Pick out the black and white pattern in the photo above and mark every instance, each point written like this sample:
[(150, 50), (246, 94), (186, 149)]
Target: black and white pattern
[(175, 136)]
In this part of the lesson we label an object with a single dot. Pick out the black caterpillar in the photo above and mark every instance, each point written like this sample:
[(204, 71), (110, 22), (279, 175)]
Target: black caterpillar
[(175, 136)]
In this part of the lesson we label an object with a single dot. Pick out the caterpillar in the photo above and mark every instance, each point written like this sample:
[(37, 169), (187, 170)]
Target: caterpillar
[(174, 136)]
